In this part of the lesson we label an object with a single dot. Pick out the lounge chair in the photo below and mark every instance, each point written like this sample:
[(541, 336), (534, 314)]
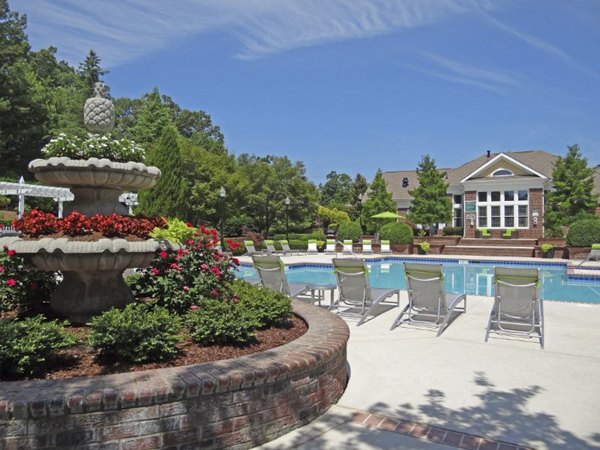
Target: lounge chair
[(347, 250), (594, 254), (354, 289), (286, 250), (484, 233), (250, 249), (270, 247), (312, 247), (428, 303), (510, 233), (518, 309), (271, 273), (385, 247), (367, 247), (330, 247)]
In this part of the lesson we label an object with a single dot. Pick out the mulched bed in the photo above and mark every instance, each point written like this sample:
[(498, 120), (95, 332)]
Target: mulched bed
[(81, 360)]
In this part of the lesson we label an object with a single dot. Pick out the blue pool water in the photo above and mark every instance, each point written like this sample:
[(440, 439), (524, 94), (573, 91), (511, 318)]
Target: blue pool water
[(472, 277)]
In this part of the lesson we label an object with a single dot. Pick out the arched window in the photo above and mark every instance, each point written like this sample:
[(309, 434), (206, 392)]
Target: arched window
[(502, 173)]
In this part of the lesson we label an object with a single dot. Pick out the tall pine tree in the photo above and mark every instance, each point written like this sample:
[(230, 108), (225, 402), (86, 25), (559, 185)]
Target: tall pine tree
[(167, 197), (90, 70), (380, 200), (572, 197), (430, 204)]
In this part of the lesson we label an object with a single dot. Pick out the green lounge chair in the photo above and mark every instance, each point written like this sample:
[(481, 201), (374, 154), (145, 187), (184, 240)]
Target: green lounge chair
[(330, 247), (250, 249), (510, 233), (428, 302), (484, 233), (347, 250), (367, 247), (354, 289), (385, 247), (312, 247), (271, 272), (270, 246), (518, 309)]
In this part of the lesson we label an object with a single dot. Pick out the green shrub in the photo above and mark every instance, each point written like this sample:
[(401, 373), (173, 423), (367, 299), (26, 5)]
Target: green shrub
[(176, 231), (425, 246), (216, 322), (27, 345), (452, 231), (138, 333), (396, 233), (349, 230), (584, 233), (268, 307)]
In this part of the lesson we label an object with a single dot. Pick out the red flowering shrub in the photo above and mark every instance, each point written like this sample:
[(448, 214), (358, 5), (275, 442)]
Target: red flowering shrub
[(75, 224), (21, 286), (37, 223), (178, 280)]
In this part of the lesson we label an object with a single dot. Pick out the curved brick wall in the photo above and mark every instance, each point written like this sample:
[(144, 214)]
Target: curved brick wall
[(235, 404)]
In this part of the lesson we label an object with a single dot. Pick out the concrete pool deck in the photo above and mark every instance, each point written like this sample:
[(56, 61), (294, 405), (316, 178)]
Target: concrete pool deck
[(409, 389)]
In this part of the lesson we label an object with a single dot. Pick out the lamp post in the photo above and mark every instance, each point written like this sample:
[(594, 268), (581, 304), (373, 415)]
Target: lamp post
[(287, 217), (360, 197), (222, 194)]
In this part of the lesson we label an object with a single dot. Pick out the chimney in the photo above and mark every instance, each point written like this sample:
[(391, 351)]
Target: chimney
[(489, 152)]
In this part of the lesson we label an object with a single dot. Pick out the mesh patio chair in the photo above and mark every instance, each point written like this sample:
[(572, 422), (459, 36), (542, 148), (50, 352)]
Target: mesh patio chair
[(367, 246), (330, 247), (312, 247), (250, 249), (518, 309), (354, 289), (271, 273), (428, 303), (286, 250), (594, 254), (270, 247), (385, 247), (347, 250)]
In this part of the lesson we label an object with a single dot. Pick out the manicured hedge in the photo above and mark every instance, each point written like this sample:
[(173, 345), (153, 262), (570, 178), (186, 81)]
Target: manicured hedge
[(452, 231), (396, 233), (584, 233), (349, 230)]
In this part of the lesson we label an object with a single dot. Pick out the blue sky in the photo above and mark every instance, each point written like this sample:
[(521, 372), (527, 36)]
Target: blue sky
[(352, 85)]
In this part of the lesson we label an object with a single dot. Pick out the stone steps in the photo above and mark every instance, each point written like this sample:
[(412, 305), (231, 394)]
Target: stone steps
[(489, 250), (498, 242)]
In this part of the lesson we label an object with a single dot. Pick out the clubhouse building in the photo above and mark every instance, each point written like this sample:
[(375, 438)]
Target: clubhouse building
[(496, 191)]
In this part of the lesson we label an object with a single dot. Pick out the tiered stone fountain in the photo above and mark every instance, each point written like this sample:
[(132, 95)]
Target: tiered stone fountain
[(93, 271)]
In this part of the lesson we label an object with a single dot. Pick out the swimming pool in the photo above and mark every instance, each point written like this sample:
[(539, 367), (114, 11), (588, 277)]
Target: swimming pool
[(471, 277)]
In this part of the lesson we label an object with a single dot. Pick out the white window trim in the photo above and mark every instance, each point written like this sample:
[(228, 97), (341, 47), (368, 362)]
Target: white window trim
[(488, 204)]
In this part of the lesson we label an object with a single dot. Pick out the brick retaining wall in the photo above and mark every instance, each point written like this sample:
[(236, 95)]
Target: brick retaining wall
[(236, 404)]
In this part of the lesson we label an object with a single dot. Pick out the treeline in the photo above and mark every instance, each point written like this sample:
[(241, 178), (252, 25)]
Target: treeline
[(41, 97)]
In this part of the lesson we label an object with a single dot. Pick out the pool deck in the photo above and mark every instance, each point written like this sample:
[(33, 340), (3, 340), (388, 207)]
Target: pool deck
[(411, 390)]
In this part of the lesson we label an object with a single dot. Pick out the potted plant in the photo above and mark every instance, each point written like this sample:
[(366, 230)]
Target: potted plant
[(547, 250), (424, 247)]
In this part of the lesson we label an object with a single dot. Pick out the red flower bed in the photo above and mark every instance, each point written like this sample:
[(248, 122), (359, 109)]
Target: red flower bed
[(37, 223)]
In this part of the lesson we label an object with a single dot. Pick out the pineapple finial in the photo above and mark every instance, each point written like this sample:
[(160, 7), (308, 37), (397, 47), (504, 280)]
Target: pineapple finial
[(99, 112)]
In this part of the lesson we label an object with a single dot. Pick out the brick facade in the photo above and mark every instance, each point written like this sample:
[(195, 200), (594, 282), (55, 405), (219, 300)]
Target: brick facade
[(235, 404)]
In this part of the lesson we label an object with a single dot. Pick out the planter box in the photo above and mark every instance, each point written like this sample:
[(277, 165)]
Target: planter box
[(236, 403)]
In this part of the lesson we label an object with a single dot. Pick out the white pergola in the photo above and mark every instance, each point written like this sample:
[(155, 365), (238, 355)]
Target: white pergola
[(23, 190)]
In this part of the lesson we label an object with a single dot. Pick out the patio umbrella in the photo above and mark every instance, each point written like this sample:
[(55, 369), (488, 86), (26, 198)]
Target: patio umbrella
[(387, 215)]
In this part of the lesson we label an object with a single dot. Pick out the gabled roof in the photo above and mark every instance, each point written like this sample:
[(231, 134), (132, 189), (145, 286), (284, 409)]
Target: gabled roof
[(537, 160)]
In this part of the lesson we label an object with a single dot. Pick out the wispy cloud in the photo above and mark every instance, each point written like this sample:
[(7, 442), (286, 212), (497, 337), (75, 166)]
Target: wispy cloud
[(121, 30), (459, 72), (543, 46)]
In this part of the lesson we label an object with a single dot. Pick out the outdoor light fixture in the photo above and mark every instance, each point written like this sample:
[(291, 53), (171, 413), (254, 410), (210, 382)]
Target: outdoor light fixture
[(287, 217), (222, 194)]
